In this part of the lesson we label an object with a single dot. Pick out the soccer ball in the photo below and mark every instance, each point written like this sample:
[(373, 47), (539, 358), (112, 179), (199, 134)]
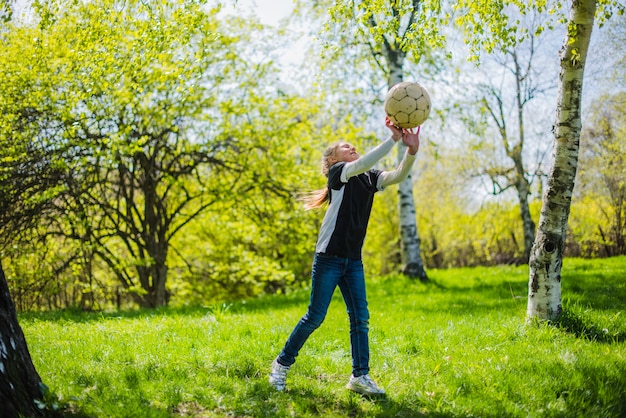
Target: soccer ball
[(407, 104)]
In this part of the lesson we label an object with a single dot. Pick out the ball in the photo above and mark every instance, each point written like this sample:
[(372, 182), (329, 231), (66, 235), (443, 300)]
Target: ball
[(407, 104)]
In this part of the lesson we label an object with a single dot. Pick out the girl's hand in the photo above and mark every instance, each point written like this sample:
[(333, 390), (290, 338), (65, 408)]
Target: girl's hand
[(411, 139), (396, 133)]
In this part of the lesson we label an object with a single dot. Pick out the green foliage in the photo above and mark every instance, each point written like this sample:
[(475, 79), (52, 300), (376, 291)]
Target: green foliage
[(248, 261), (147, 116), (126, 91), (599, 215), (359, 33), (607, 9), (55, 273), (92, 92), (492, 26), (416, 28), (457, 346), (491, 235), (495, 25), (455, 228)]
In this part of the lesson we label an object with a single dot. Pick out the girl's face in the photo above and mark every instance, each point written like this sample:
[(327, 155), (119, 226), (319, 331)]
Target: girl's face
[(344, 153)]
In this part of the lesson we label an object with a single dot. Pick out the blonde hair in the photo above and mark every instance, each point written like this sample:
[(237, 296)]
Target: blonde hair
[(316, 198)]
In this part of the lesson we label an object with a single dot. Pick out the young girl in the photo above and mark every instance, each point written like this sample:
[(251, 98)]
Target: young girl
[(352, 183)]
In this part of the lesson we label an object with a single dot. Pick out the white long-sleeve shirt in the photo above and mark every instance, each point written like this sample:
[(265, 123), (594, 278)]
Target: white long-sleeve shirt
[(351, 188)]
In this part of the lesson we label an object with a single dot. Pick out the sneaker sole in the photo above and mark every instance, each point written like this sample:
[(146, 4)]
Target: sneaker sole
[(363, 392)]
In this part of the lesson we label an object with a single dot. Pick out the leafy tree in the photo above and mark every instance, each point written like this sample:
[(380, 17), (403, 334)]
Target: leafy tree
[(544, 287), (489, 22), (21, 389), (271, 238), (461, 225), (402, 28), (140, 106), (389, 35)]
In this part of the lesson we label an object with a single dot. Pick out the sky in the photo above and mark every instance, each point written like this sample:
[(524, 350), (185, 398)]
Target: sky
[(269, 11)]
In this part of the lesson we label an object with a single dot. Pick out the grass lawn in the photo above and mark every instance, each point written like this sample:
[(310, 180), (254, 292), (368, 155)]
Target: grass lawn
[(455, 347)]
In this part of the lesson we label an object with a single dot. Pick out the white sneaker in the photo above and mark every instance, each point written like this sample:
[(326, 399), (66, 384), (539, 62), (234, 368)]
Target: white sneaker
[(364, 385), (278, 376)]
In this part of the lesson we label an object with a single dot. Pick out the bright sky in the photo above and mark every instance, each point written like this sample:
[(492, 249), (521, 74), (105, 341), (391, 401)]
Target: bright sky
[(269, 11)]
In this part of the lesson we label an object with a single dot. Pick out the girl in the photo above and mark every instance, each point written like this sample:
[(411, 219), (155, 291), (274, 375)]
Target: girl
[(352, 183)]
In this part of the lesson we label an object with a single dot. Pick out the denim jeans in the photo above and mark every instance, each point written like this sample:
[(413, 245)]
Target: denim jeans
[(328, 273)]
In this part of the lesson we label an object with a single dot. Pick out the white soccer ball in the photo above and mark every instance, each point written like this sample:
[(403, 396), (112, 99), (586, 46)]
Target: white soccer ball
[(407, 104)]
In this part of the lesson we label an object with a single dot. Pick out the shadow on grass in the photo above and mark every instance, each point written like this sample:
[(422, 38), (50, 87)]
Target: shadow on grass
[(584, 325), (304, 401), (265, 303), (597, 284)]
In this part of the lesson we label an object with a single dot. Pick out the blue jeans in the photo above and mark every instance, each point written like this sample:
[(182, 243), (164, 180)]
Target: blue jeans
[(328, 273)]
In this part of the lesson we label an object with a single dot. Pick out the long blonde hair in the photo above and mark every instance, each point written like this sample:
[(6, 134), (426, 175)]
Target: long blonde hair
[(316, 198)]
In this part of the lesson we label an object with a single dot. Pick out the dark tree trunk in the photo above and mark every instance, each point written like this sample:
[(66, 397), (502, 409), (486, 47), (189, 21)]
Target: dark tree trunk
[(20, 384)]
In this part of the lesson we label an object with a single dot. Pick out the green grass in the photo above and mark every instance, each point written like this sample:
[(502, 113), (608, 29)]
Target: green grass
[(455, 347)]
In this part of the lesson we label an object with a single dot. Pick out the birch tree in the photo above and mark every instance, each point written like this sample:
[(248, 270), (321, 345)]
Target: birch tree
[(391, 35), (546, 259), (488, 23)]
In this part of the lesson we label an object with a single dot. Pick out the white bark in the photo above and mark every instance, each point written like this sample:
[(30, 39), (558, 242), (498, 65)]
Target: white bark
[(546, 258), (412, 263)]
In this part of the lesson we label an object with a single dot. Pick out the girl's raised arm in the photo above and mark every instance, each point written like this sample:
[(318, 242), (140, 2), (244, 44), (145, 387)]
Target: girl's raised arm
[(370, 158)]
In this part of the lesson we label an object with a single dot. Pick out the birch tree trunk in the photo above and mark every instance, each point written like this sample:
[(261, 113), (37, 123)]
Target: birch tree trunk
[(546, 258), (20, 384), (412, 263), (391, 32)]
